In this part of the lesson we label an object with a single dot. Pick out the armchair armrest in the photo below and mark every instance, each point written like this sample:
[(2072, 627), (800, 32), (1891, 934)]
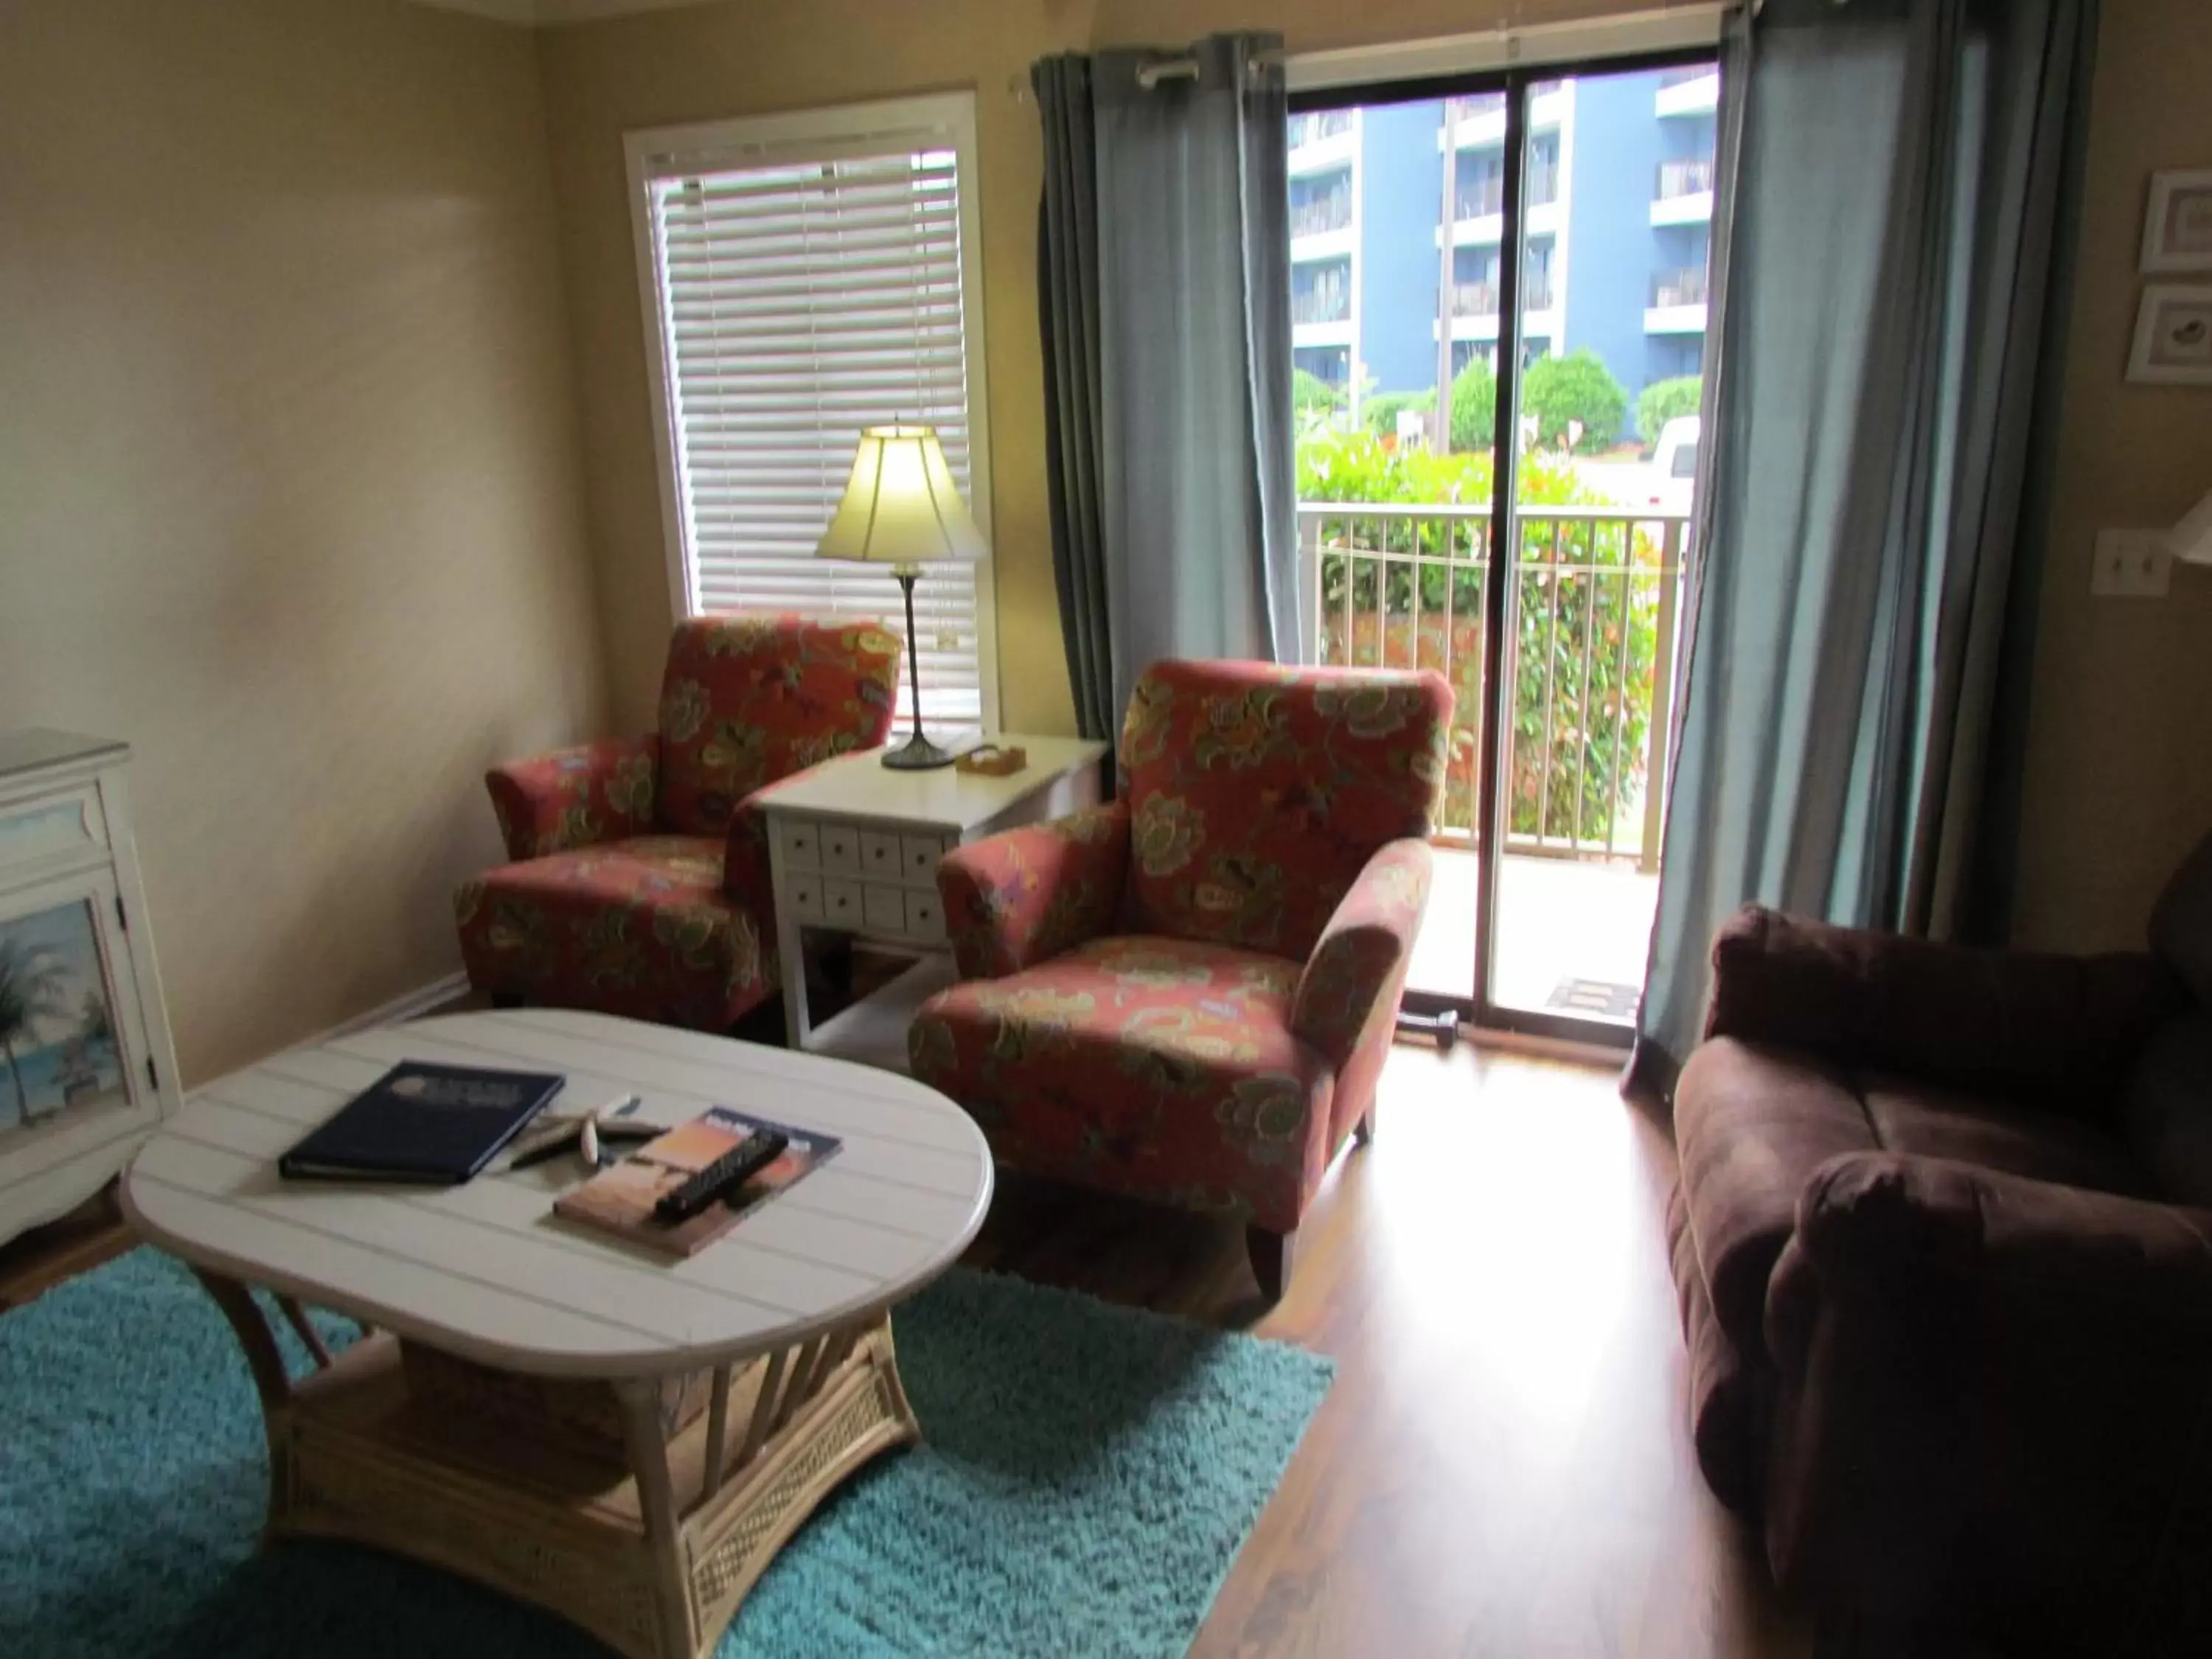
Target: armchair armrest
[(1015, 898), (1990, 1401), (570, 798), (1353, 979), (2052, 1030)]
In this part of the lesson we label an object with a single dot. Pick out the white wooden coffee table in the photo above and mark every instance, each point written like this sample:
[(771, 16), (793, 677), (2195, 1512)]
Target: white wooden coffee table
[(624, 1440)]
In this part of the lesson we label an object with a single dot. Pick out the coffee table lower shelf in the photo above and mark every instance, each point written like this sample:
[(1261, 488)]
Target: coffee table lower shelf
[(641, 1509)]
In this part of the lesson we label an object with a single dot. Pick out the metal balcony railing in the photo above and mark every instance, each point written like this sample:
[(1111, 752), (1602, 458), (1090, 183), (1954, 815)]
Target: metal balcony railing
[(1593, 597), (1321, 124), (1678, 178), (1474, 106), (1678, 287), (1321, 214), (1321, 305)]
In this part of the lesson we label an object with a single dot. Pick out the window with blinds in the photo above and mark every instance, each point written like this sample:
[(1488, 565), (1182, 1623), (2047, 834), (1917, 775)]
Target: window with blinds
[(808, 279)]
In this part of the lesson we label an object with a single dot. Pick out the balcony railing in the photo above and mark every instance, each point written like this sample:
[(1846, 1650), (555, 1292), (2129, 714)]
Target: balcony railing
[(1594, 596), (1480, 299), (1321, 124), (1321, 214), (1485, 197), (1686, 75), (1475, 105), (1678, 178), (1322, 305), (1678, 287)]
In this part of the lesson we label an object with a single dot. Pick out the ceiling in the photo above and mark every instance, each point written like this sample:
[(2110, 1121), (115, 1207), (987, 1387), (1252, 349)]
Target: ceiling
[(546, 14)]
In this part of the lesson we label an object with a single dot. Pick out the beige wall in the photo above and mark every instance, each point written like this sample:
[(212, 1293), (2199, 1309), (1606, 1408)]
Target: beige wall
[(287, 492), (2119, 774), (748, 57)]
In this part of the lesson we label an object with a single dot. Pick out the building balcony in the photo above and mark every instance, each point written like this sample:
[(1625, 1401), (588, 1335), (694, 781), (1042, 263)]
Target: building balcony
[(1488, 230), (1323, 142), (1678, 304), (1695, 90), (1322, 246), (1478, 121), (1683, 194), (1336, 331), (1316, 218)]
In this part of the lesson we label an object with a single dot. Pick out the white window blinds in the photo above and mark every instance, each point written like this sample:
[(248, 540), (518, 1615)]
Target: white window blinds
[(808, 287)]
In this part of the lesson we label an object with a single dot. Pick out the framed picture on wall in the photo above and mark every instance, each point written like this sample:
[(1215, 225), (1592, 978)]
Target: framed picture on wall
[(2178, 229), (2173, 336)]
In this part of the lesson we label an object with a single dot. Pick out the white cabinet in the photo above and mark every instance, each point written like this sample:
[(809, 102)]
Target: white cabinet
[(86, 1065)]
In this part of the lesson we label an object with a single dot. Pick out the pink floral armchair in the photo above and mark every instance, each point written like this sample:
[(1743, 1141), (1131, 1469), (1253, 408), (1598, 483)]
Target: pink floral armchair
[(1186, 995), (640, 880)]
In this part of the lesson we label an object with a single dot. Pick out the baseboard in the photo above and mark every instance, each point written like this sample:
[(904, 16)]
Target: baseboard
[(410, 1006)]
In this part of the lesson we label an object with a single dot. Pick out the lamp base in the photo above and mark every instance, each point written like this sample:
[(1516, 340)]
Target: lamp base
[(917, 754)]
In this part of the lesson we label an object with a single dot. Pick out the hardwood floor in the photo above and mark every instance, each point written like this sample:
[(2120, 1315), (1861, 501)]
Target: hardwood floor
[(1503, 1466)]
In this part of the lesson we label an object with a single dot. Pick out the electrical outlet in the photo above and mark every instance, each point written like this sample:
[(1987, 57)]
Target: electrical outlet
[(2133, 564)]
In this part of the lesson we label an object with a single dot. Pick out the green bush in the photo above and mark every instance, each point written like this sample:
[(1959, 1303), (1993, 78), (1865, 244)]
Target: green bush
[(1473, 406), (1573, 581), (1310, 395), (1379, 414), (1575, 387), (1663, 401)]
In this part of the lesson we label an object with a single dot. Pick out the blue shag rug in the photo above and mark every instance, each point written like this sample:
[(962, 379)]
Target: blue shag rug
[(1089, 1474)]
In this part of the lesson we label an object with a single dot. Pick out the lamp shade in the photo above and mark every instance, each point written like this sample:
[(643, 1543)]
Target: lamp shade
[(901, 507)]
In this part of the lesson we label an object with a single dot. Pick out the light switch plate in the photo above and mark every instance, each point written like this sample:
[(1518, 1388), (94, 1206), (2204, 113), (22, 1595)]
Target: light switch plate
[(2132, 564)]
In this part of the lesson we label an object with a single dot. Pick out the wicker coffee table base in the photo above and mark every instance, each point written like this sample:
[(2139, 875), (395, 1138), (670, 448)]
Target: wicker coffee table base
[(642, 1511)]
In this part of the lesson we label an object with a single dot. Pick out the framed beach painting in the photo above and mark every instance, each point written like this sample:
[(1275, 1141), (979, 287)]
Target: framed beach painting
[(61, 1054), (2178, 228)]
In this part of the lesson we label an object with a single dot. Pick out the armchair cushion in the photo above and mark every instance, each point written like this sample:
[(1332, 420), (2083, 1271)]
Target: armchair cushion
[(1164, 1068), (1257, 794), (571, 798), (639, 928), (1012, 900), (747, 700), (2057, 1031)]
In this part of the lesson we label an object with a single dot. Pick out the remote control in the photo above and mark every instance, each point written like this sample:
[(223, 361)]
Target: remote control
[(724, 1175)]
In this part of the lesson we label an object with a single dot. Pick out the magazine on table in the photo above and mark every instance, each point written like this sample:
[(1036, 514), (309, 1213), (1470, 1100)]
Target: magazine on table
[(620, 1200)]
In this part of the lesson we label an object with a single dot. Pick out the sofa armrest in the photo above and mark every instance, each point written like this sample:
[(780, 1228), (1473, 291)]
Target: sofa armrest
[(2057, 1031), (570, 798), (1351, 982), (1991, 1401), (1015, 898)]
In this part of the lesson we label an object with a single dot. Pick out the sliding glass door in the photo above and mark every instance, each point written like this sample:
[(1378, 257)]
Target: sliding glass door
[(1498, 319)]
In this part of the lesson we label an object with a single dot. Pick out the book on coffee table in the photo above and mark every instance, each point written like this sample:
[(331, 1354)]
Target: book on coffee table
[(422, 1122), (620, 1200)]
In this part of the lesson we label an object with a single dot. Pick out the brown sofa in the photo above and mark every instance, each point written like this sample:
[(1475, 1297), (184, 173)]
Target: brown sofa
[(1943, 1244)]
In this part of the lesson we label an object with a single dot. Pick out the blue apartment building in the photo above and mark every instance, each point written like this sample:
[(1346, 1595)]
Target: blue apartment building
[(1620, 205)]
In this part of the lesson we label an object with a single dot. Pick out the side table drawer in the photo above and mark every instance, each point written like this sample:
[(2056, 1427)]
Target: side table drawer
[(840, 903), (804, 887), (883, 908), (841, 849), (925, 917), (800, 844), (918, 856), (879, 855)]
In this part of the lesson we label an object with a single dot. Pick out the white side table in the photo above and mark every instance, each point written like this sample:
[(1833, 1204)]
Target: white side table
[(854, 845)]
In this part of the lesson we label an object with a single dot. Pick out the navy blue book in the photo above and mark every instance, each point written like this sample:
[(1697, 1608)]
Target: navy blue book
[(434, 1125)]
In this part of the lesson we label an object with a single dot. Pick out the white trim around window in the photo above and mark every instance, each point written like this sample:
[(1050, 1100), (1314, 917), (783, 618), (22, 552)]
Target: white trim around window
[(860, 339)]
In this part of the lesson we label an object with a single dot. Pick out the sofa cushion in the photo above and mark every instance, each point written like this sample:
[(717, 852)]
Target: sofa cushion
[(1918, 1118), (2181, 922), (1161, 1067), (639, 928), (2167, 1110), (1751, 1124)]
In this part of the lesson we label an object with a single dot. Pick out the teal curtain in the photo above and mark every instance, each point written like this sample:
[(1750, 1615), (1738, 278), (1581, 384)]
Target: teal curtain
[(1892, 184), (1201, 510)]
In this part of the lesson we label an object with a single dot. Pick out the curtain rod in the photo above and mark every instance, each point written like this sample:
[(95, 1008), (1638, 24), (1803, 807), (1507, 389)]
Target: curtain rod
[(1186, 68)]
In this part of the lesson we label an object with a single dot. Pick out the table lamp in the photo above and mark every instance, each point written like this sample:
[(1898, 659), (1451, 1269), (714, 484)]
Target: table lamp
[(902, 508)]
